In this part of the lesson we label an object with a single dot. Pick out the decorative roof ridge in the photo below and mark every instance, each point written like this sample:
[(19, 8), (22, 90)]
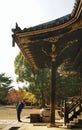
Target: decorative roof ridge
[(75, 7), (57, 21), (50, 24)]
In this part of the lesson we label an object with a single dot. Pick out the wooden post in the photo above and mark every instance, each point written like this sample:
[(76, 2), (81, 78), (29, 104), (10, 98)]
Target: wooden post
[(53, 93), (65, 114)]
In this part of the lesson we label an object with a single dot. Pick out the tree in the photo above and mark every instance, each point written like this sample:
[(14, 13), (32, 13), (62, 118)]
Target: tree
[(5, 83), (23, 71), (39, 80), (29, 97), (14, 96), (41, 86), (68, 81)]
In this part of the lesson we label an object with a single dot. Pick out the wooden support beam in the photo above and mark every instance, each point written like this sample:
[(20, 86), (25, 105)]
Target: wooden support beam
[(53, 93)]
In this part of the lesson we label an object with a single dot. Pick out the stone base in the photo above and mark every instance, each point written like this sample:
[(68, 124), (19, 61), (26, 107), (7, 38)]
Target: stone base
[(52, 125), (45, 119), (35, 118)]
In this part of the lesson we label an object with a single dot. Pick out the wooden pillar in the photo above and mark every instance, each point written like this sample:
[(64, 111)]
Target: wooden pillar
[(65, 113), (53, 93)]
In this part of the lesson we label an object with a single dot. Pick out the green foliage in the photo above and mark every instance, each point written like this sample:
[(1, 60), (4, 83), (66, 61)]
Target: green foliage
[(68, 82), (4, 87), (39, 80), (22, 69), (40, 86)]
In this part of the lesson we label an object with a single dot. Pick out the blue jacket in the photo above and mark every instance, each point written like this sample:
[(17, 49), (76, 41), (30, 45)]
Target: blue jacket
[(20, 106)]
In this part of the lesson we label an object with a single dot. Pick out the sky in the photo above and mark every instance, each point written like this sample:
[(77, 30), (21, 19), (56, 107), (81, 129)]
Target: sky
[(27, 13)]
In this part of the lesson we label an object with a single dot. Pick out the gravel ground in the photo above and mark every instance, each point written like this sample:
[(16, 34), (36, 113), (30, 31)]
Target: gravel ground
[(8, 114)]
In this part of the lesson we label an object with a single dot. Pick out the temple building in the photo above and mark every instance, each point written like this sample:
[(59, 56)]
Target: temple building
[(49, 44)]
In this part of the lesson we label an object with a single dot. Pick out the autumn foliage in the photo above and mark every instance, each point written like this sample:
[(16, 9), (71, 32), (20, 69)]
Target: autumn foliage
[(14, 96)]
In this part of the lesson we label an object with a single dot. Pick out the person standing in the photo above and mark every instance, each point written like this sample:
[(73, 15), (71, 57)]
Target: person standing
[(19, 108)]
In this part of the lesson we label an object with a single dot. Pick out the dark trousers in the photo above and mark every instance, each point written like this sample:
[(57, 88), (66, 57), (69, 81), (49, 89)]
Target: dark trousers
[(18, 115)]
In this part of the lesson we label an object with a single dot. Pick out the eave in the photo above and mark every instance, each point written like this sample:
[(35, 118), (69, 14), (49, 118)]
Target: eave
[(64, 33)]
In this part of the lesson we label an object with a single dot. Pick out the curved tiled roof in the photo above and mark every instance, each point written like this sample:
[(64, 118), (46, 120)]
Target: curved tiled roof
[(56, 22), (64, 34)]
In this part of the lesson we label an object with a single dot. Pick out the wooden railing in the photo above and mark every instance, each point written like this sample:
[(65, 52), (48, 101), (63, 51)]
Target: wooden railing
[(72, 109)]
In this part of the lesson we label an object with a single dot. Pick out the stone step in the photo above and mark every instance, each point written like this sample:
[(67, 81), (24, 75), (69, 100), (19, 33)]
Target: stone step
[(76, 123), (74, 126), (79, 117), (81, 113)]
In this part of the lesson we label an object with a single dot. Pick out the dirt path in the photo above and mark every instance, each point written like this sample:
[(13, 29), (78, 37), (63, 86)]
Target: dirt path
[(10, 112)]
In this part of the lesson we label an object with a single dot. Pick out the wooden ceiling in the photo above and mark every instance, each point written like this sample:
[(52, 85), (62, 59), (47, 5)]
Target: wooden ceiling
[(56, 40)]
